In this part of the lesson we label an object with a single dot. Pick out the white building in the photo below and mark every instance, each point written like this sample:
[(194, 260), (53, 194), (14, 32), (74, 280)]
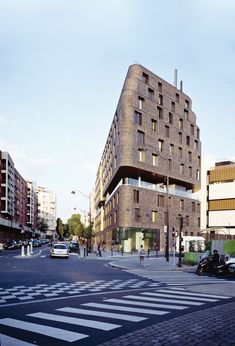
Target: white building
[(47, 208)]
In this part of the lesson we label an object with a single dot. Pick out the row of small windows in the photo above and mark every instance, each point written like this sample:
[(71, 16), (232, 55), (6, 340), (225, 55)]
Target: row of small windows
[(145, 78), (138, 120), (141, 139), (162, 202)]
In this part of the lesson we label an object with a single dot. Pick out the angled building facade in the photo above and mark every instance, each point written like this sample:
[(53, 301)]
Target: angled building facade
[(150, 166)]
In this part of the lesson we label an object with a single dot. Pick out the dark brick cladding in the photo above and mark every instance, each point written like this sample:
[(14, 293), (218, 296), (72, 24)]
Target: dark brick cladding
[(179, 161)]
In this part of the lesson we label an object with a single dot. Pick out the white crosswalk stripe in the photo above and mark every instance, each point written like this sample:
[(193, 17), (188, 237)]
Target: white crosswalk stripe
[(127, 308)]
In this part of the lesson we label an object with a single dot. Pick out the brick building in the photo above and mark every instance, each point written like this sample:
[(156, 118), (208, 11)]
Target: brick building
[(150, 166)]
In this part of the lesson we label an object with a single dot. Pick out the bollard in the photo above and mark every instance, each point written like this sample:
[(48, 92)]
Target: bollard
[(112, 251), (31, 248), (84, 252), (148, 253), (22, 251), (28, 253)]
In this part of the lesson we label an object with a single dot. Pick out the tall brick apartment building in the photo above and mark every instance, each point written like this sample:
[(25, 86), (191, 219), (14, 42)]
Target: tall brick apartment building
[(150, 166)]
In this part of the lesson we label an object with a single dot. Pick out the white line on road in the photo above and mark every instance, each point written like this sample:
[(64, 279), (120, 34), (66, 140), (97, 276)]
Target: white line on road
[(9, 341), (77, 321), (125, 308), (43, 329), (182, 296), (159, 306), (193, 294), (103, 314)]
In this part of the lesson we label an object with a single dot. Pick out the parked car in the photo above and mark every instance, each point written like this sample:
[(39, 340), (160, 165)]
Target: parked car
[(59, 250), (19, 243), (74, 246), (230, 262), (10, 245), (36, 243)]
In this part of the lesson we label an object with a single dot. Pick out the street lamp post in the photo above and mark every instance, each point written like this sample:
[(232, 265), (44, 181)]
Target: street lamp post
[(89, 197)]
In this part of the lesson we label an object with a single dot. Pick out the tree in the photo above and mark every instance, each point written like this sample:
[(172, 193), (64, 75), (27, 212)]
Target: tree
[(59, 227), (42, 225), (76, 227)]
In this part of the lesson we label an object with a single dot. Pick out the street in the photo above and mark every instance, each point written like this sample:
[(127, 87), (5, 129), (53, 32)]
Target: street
[(83, 301)]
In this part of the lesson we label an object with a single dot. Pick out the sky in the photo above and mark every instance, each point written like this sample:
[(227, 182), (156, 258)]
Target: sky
[(63, 64)]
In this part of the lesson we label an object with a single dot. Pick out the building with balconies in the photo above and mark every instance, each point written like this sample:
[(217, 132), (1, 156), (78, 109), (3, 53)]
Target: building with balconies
[(47, 209), (150, 166)]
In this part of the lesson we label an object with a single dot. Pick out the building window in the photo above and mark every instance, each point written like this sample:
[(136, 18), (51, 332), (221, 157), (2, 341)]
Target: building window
[(167, 131), (154, 216), (141, 155), (196, 144), (115, 216), (140, 138), (190, 156), (198, 133), (177, 97), (169, 165), (190, 171), (160, 99), (170, 118), (137, 214), (198, 175), (181, 205), (160, 201), (180, 152), (192, 129), (155, 160), (140, 103), (186, 114), (186, 220), (180, 137), (160, 144), (138, 118), (188, 140), (199, 222), (187, 104), (136, 196), (173, 106), (181, 168), (180, 123), (160, 113), (171, 149), (151, 94), (145, 78), (193, 207), (160, 87), (154, 124)]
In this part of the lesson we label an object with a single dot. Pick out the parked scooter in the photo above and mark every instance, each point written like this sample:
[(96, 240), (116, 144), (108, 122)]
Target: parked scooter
[(207, 265)]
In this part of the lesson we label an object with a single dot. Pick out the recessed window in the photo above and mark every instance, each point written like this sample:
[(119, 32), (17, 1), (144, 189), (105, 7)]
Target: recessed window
[(160, 100), (181, 205), (140, 138), (181, 123), (137, 214), (160, 87), (160, 144), (154, 216), (190, 171), (136, 196), (173, 106), (193, 207), (151, 94), (141, 155), (198, 133), (187, 104), (160, 113), (181, 168), (170, 118), (171, 149), (196, 144), (140, 102), (177, 97), (190, 156), (180, 152), (180, 137), (188, 140), (192, 129), (160, 201), (154, 124), (138, 118), (167, 131), (155, 159), (145, 78), (170, 165), (186, 114)]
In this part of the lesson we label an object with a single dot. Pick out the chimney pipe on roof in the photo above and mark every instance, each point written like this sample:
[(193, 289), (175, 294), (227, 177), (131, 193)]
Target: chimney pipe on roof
[(175, 78), (181, 85)]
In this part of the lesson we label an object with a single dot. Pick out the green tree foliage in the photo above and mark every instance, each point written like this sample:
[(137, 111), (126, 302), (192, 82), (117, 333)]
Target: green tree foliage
[(42, 225), (75, 225), (59, 227)]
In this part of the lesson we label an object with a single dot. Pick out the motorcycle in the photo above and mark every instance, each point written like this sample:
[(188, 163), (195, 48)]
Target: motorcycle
[(206, 265)]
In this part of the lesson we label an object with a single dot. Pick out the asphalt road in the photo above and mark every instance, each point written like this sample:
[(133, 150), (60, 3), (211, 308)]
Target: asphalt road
[(82, 301)]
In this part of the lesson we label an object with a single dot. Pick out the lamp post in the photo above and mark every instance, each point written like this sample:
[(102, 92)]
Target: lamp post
[(89, 197), (167, 201)]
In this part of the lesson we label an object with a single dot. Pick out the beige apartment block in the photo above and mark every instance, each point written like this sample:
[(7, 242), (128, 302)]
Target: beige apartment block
[(150, 166)]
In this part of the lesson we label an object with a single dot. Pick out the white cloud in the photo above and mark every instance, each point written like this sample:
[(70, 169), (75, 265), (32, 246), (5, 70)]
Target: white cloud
[(2, 120)]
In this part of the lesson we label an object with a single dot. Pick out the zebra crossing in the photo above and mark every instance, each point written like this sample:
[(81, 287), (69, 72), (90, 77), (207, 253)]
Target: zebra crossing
[(71, 324)]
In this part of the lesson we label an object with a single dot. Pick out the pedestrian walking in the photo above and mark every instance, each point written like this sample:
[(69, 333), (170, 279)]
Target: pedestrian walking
[(99, 253), (142, 255)]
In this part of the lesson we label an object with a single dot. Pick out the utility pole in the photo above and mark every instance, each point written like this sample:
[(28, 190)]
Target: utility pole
[(180, 242)]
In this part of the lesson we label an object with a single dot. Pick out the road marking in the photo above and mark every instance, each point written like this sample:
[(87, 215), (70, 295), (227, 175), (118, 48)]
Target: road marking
[(77, 321), (103, 314), (57, 333), (9, 341), (160, 306), (173, 301), (125, 308), (193, 294), (184, 297)]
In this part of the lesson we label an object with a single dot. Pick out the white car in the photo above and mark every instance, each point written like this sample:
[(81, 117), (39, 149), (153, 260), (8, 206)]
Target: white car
[(230, 261), (59, 250)]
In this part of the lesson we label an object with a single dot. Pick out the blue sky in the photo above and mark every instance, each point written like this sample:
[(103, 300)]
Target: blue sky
[(58, 55)]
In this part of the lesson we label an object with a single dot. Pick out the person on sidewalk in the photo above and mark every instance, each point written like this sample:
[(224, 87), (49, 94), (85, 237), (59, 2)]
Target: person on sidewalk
[(99, 253), (141, 255)]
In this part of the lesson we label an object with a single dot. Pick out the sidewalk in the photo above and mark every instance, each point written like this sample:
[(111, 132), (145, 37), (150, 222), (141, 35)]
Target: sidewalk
[(213, 326)]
